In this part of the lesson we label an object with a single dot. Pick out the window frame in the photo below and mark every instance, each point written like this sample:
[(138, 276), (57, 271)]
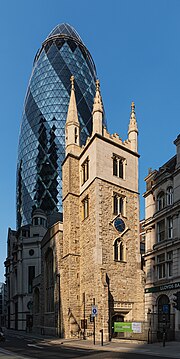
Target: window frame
[(85, 170), (118, 166), (160, 231), (169, 196), (119, 250), (119, 204), (31, 276), (85, 207), (170, 227), (164, 265), (160, 200)]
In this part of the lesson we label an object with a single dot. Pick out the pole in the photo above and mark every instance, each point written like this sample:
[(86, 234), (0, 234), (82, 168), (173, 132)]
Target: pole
[(84, 333), (59, 309), (101, 331), (164, 338), (94, 334)]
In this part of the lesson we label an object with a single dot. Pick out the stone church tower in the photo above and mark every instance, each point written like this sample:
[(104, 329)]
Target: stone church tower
[(101, 262)]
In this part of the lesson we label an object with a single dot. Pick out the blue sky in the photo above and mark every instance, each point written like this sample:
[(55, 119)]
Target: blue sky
[(135, 46)]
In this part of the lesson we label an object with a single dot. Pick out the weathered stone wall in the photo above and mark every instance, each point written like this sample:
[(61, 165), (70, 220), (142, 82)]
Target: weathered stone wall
[(70, 269), (50, 323)]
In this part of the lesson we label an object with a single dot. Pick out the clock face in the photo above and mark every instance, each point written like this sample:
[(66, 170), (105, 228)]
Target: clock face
[(119, 225)]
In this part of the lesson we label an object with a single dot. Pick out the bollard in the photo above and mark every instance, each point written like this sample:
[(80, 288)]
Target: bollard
[(148, 335), (164, 339), (101, 331)]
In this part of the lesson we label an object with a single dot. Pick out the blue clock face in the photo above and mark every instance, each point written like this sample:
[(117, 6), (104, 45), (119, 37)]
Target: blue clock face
[(119, 225)]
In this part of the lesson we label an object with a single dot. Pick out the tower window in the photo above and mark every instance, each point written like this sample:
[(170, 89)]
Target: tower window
[(119, 250), (85, 170), (85, 204), (118, 204), (118, 166)]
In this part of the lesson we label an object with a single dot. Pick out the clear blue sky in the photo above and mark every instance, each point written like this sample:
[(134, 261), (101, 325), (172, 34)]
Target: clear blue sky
[(135, 46)]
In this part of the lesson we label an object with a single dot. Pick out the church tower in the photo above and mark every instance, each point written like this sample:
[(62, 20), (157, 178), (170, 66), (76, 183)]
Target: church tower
[(101, 262)]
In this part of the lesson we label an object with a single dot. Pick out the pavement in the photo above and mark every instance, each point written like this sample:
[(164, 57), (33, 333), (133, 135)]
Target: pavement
[(170, 350)]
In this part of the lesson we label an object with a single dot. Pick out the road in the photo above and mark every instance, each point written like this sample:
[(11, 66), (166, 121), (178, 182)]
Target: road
[(19, 347)]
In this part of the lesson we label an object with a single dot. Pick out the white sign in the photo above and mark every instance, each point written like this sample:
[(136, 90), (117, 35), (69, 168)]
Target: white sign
[(94, 310), (136, 327)]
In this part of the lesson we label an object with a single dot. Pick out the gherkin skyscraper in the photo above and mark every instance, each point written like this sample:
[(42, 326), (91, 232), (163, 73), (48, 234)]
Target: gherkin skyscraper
[(42, 136)]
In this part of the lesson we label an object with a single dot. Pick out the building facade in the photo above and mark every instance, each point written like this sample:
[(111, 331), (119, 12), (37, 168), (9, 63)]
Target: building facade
[(42, 137), (2, 304), (94, 262), (23, 264), (162, 257)]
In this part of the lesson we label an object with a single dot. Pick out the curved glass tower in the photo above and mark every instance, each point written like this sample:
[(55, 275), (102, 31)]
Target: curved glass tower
[(42, 137)]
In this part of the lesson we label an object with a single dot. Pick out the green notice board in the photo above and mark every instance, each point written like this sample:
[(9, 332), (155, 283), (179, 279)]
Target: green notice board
[(122, 327), (127, 327)]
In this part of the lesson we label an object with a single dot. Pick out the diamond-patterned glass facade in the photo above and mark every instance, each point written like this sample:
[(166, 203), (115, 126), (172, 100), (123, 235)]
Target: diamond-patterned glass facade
[(42, 137)]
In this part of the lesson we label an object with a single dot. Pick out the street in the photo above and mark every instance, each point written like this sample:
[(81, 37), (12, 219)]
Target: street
[(19, 347)]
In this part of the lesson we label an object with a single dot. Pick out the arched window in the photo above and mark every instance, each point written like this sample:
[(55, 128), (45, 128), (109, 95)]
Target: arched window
[(49, 281), (36, 300), (169, 196), (119, 250), (163, 307), (160, 201)]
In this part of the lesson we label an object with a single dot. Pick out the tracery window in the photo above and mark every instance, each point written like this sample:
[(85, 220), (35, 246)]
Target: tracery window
[(118, 166), (85, 170), (118, 204), (85, 207), (119, 250)]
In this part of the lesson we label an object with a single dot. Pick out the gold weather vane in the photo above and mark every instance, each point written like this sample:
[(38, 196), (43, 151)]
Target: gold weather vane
[(72, 82), (132, 107)]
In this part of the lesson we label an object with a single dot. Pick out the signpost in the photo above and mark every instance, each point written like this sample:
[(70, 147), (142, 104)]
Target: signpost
[(94, 311)]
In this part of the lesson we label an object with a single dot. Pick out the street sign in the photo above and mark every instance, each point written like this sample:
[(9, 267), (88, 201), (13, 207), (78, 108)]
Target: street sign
[(94, 310)]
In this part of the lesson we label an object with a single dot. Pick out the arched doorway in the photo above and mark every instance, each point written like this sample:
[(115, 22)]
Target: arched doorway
[(165, 318), (118, 317)]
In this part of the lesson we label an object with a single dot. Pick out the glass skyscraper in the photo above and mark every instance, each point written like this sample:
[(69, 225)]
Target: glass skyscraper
[(42, 136)]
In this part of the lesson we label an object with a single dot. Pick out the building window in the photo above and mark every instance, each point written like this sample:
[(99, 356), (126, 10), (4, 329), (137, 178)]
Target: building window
[(118, 204), (165, 265), (85, 171), (161, 231), (160, 201), (161, 269), (31, 276), (170, 227), (169, 196), (36, 300), (170, 264), (85, 204), (119, 250), (49, 281), (118, 166)]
